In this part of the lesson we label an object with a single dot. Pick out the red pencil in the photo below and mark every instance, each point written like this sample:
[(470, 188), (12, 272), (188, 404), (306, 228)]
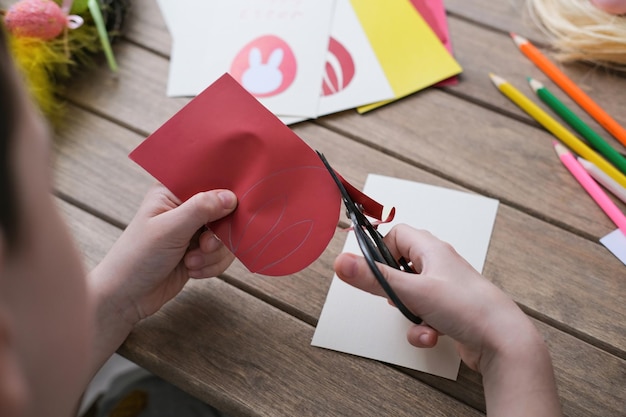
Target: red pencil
[(567, 85)]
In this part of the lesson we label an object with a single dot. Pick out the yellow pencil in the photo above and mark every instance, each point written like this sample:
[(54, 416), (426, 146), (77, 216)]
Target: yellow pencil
[(557, 129)]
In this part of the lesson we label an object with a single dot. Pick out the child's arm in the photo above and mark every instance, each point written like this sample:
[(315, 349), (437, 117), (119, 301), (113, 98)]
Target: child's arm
[(164, 245), (494, 336)]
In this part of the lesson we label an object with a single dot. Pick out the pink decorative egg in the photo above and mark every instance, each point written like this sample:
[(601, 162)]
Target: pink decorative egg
[(611, 6), (42, 19)]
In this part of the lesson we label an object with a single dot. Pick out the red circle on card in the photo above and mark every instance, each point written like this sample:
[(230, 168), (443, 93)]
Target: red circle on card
[(339, 69), (265, 67)]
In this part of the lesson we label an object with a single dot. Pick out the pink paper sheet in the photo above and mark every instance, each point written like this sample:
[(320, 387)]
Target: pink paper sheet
[(288, 205)]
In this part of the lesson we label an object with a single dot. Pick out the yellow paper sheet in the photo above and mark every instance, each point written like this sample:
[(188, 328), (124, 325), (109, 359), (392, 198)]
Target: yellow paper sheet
[(409, 52)]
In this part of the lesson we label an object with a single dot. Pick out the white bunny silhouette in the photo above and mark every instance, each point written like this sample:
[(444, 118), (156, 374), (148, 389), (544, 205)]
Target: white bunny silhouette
[(261, 78)]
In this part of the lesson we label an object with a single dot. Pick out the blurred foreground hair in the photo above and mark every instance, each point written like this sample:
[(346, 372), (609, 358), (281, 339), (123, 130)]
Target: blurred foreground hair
[(8, 121)]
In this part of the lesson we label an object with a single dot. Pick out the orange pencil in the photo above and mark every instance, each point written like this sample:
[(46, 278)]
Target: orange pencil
[(567, 85)]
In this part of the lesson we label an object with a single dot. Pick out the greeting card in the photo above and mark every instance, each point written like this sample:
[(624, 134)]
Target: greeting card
[(276, 50)]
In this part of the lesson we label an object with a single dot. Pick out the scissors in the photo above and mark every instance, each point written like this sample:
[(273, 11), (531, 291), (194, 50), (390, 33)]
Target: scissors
[(371, 242)]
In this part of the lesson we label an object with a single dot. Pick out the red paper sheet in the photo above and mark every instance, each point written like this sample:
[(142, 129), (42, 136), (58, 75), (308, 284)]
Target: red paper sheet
[(288, 205)]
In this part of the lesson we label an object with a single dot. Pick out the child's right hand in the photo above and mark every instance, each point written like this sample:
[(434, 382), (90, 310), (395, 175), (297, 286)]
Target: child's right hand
[(447, 293), (493, 335)]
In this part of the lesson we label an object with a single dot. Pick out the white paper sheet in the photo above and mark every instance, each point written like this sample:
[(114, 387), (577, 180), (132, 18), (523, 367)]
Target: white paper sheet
[(356, 322), (616, 243)]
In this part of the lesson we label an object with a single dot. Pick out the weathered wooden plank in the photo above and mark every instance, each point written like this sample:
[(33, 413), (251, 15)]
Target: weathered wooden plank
[(582, 373), (93, 169), (274, 359), (503, 16), (267, 366), (146, 26), (135, 96), (92, 235)]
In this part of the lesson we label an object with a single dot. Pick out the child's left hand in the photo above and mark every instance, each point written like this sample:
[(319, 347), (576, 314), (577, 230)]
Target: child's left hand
[(164, 245)]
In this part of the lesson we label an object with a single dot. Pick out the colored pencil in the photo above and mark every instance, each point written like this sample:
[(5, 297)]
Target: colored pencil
[(578, 125), (556, 128), (603, 179), (567, 85), (594, 190)]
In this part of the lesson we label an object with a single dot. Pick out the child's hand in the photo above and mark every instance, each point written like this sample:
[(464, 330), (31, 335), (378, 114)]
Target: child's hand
[(447, 293), (164, 245), (493, 335)]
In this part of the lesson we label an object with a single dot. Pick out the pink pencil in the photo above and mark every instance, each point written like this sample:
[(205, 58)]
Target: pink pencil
[(594, 190)]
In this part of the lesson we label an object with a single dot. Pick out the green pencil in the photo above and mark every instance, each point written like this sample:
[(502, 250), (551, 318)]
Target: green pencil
[(577, 124)]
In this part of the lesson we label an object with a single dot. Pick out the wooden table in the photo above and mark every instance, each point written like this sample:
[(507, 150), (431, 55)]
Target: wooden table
[(242, 342)]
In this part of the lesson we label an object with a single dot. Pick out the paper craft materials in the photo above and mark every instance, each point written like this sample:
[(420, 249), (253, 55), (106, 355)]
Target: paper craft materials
[(288, 205), (594, 190), (603, 179), (261, 44), (556, 128), (350, 72), (615, 242), (569, 87), (578, 125), (409, 52), (359, 323)]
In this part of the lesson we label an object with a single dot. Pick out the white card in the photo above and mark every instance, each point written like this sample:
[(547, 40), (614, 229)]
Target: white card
[(169, 12), (353, 76), (356, 322), (259, 42), (616, 243)]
